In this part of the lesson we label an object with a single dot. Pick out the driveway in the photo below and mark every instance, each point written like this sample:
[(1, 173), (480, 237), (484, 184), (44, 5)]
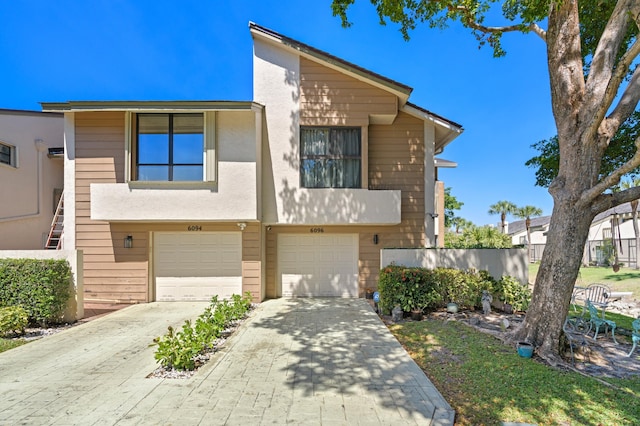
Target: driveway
[(294, 361)]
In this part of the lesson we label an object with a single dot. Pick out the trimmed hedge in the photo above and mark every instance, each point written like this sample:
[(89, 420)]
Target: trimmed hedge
[(40, 286), (421, 288)]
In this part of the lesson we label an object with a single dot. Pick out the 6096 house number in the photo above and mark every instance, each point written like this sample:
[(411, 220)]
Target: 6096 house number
[(194, 228), (317, 230)]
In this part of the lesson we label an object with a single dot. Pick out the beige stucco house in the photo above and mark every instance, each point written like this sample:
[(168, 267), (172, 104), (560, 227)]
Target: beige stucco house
[(31, 173), (293, 193)]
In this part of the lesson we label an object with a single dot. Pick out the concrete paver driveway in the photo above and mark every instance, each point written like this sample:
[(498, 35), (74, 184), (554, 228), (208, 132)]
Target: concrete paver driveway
[(294, 361)]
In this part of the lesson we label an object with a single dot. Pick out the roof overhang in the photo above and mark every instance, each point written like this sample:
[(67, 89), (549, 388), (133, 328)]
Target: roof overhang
[(400, 90), (441, 163), (446, 130), (153, 106)]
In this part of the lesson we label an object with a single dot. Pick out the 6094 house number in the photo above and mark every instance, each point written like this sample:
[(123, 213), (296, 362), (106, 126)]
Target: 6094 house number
[(317, 230), (194, 228)]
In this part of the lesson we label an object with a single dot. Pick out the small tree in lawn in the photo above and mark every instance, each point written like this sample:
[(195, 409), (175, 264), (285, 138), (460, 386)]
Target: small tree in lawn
[(503, 208), (526, 213)]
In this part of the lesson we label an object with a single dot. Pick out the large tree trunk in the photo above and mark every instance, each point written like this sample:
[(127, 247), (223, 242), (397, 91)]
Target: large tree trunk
[(568, 232)]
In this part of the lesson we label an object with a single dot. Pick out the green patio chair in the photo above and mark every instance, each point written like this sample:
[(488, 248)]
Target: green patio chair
[(635, 335), (598, 321)]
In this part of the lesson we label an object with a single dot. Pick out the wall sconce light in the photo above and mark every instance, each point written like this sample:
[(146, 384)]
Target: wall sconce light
[(269, 228), (128, 241), (433, 215), (375, 238), (242, 225)]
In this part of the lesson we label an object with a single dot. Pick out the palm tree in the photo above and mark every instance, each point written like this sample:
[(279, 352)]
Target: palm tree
[(526, 213), (460, 224), (634, 211), (503, 208)]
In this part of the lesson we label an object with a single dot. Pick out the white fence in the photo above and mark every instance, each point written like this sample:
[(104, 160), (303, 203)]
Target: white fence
[(498, 262), (75, 306)]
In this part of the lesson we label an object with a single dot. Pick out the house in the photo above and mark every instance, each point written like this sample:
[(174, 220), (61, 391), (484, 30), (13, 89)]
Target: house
[(292, 193), (614, 223), (538, 228), (31, 172)]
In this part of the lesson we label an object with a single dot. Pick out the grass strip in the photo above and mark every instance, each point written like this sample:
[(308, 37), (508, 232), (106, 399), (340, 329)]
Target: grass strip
[(487, 383)]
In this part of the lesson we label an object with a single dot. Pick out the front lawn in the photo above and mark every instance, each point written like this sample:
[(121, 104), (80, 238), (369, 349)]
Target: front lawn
[(487, 383), (626, 279)]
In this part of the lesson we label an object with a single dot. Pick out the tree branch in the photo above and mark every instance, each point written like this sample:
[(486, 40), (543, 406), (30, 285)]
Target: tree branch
[(627, 104), (612, 179), (475, 25), (606, 201)]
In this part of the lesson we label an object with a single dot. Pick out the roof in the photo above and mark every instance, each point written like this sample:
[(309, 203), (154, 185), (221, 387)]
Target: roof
[(444, 164), (621, 209), (520, 225), (148, 105), (5, 111)]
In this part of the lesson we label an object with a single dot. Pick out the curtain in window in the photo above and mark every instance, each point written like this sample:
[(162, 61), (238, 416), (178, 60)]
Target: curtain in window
[(330, 157)]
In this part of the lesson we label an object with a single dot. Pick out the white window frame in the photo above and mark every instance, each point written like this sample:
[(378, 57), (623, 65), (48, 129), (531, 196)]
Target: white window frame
[(210, 159), (13, 155)]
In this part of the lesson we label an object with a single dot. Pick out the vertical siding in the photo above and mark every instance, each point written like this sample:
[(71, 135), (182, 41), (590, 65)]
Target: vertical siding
[(396, 161), (111, 273), (331, 98), (252, 262)]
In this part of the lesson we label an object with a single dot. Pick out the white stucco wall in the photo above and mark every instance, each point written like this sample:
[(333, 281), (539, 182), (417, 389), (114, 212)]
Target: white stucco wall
[(75, 307), (232, 197), (498, 262), (27, 191)]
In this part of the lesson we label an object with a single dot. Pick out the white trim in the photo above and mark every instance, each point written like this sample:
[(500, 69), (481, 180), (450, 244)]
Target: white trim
[(429, 185), (69, 235), (127, 146), (210, 168)]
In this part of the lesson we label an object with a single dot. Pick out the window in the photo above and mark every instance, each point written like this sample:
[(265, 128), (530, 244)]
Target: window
[(7, 154), (606, 233), (330, 157), (170, 147)]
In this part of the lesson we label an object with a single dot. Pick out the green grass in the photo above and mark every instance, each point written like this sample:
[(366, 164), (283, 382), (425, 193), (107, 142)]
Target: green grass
[(626, 279), (487, 383), (6, 344)]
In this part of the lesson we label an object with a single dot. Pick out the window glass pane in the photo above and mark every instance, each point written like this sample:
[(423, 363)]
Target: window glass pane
[(5, 154), (187, 173), (188, 148), (330, 157), (314, 141), (153, 173), (153, 138)]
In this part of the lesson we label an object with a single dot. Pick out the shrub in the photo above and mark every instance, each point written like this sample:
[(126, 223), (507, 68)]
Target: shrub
[(13, 319), (40, 286), (511, 292), (179, 349)]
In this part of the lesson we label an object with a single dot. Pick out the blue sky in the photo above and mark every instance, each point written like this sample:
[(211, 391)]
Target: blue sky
[(201, 50)]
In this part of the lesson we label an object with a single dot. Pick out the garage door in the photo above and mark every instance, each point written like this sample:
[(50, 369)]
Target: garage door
[(318, 265), (197, 265)]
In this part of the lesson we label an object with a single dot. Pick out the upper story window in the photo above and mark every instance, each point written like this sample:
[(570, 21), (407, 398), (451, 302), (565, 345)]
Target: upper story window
[(7, 154), (331, 157), (170, 147)]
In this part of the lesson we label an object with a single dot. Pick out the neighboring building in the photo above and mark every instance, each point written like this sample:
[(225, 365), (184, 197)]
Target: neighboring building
[(614, 223), (291, 194), (31, 176), (538, 228)]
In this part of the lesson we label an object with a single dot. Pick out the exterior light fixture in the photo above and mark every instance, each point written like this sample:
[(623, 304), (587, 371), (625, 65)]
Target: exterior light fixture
[(128, 241), (242, 225), (375, 238)]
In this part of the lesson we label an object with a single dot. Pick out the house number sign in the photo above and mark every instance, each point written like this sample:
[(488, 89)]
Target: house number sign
[(194, 228), (317, 230)]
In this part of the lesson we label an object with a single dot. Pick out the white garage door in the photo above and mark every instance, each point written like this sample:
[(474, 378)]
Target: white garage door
[(318, 265), (197, 265)]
